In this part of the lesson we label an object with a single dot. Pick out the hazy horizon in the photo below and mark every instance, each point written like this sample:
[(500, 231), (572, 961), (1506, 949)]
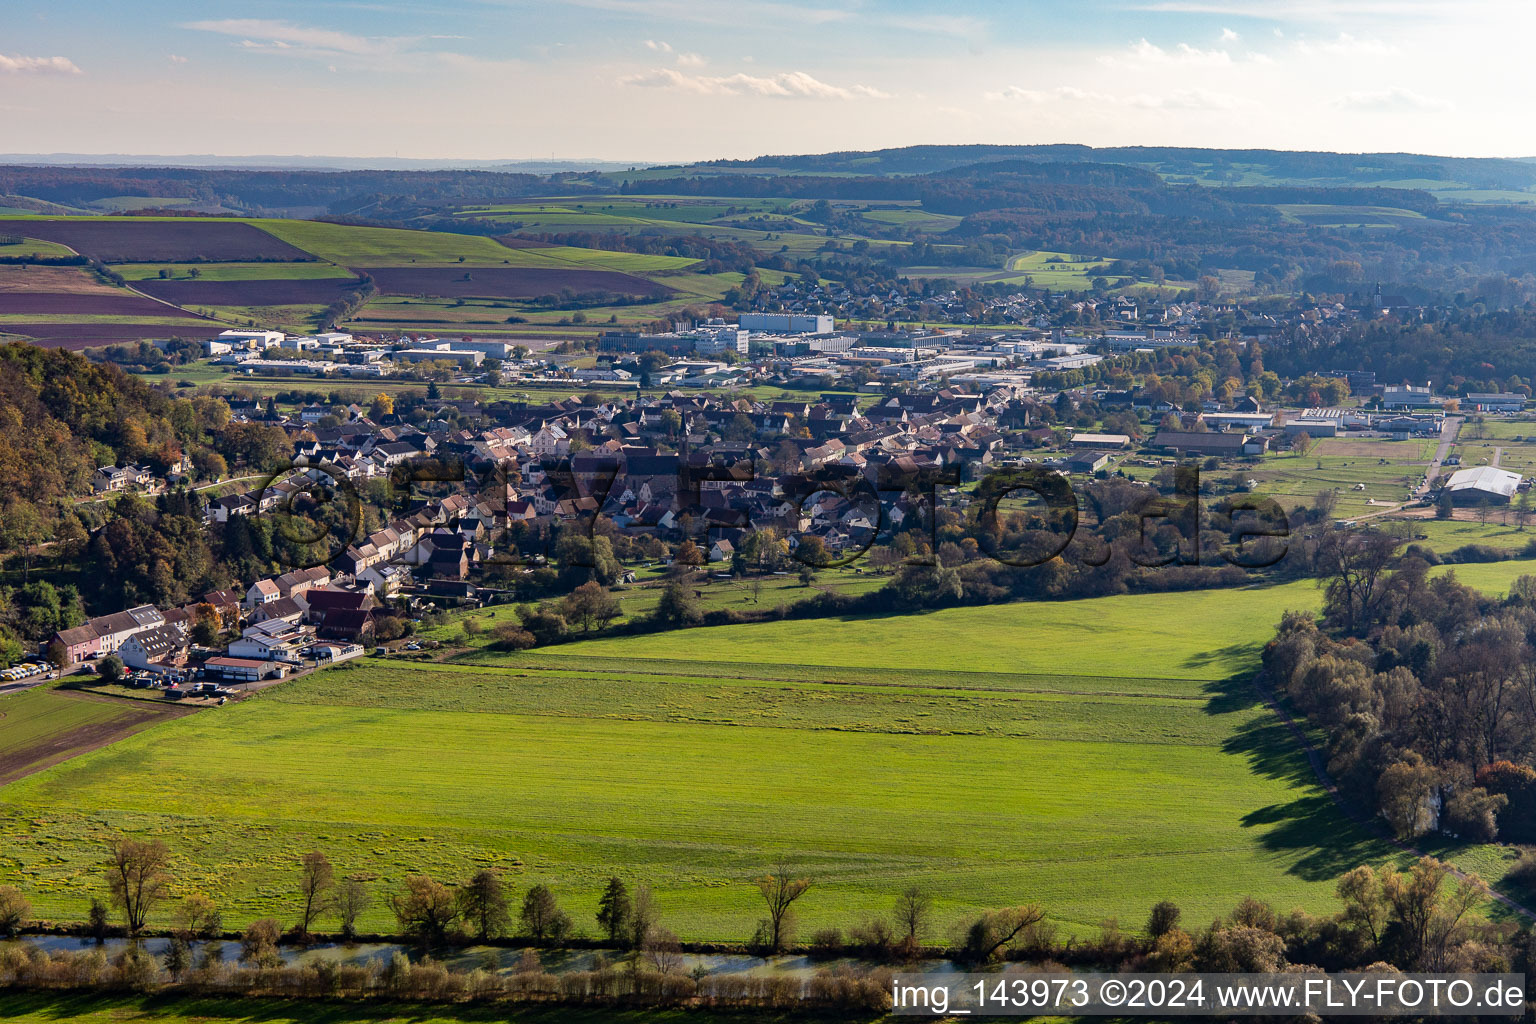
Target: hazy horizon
[(652, 81)]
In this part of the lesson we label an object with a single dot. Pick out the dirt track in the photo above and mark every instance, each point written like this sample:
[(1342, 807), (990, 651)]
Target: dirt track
[(16, 764)]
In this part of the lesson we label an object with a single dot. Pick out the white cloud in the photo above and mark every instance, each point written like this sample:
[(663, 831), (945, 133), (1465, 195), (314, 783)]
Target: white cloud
[(1186, 99), (658, 46), (301, 40), (176, 58), (1182, 99), (1391, 101), (1143, 53), (12, 65), (1229, 36), (690, 60), (1061, 93), (1346, 45), (784, 85)]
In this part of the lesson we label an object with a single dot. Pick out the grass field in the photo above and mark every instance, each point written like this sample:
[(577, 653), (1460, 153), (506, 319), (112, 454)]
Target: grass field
[(638, 601), (232, 271), (32, 247), (54, 1007), (39, 726), (1071, 753)]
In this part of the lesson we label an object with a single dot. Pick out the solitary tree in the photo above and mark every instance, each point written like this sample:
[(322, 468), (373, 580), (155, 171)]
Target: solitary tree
[(351, 900), (483, 903), (780, 889), (258, 943), (613, 909), (137, 878), (14, 909), (178, 958), (912, 908), (542, 915), (316, 880), (642, 917), (1163, 919), (198, 918)]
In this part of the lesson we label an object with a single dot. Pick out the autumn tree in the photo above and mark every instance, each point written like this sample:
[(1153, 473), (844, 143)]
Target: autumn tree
[(425, 909), (258, 943), (198, 918), (1429, 919), (138, 877), (1403, 792), (780, 890), (317, 879), (14, 910), (589, 606)]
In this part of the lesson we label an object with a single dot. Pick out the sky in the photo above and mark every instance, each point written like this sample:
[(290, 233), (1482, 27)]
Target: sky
[(675, 80)]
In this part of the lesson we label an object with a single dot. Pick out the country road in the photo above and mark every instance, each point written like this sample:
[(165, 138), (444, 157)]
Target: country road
[(1448, 432)]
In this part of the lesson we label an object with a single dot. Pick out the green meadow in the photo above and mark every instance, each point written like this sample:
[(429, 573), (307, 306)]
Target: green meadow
[(55, 1007), (1074, 753)]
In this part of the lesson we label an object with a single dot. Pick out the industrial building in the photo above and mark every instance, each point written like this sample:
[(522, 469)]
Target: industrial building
[(1482, 485)]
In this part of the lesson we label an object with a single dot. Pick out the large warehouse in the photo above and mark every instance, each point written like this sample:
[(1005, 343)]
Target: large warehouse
[(1484, 485)]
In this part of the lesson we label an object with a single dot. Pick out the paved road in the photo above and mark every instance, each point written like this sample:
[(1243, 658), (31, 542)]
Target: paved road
[(1448, 432)]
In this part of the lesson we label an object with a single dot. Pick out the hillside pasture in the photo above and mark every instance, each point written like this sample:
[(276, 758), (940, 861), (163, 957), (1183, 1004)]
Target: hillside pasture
[(1072, 753), (351, 246), (139, 239), (259, 292), (508, 283), (231, 271), (29, 248)]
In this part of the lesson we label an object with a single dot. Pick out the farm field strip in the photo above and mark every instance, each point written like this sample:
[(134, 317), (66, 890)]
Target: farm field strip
[(39, 727), (1119, 639)]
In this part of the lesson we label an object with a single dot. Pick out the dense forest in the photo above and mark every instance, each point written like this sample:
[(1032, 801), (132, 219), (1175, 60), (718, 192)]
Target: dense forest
[(1424, 688)]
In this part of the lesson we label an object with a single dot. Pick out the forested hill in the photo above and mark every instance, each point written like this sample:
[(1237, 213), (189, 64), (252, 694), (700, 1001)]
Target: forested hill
[(1273, 165)]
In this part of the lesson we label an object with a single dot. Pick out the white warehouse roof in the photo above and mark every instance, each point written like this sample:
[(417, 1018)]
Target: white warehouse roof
[(1485, 478)]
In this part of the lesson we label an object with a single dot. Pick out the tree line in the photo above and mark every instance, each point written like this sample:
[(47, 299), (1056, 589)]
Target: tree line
[(1421, 917), (1424, 688)]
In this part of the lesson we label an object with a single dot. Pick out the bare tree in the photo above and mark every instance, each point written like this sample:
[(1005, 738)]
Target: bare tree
[(780, 889), (912, 908), (351, 900), (664, 951), (642, 916), (425, 910), (1429, 919), (316, 881), (137, 876), (1354, 563)]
